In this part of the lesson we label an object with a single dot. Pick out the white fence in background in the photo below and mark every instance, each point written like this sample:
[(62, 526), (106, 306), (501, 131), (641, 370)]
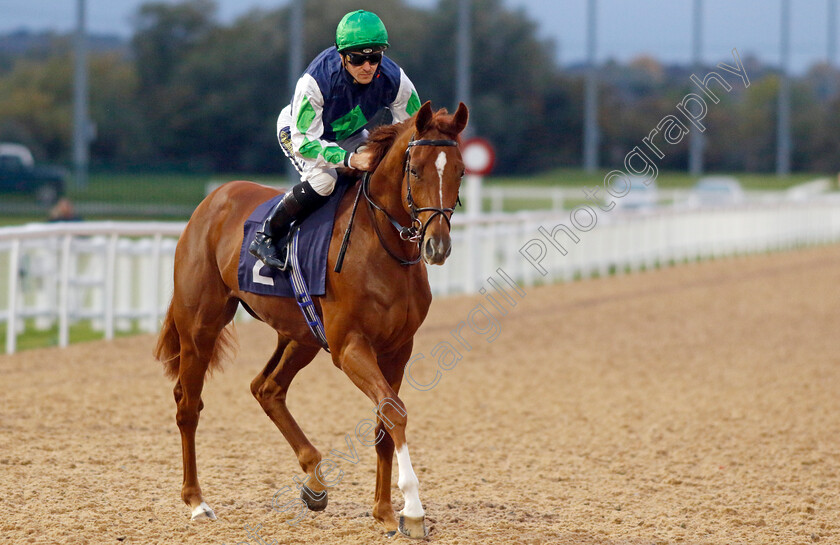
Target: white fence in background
[(119, 275), (625, 241), (495, 198)]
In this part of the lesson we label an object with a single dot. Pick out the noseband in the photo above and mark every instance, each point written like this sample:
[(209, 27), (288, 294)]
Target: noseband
[(417, 230)]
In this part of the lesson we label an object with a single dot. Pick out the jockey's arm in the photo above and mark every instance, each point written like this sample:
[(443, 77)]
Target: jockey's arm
[(307, 128), (406, 102), (362, 160)]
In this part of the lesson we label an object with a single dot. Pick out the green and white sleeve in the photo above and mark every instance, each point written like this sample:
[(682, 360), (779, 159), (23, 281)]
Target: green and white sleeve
[(407, 102), (308, 128)]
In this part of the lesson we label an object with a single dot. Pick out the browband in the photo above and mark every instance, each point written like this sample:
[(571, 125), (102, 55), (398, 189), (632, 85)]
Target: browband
[(450, 143)]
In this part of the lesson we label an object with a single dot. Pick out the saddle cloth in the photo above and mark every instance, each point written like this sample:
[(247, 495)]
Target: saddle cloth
[(315, 235)]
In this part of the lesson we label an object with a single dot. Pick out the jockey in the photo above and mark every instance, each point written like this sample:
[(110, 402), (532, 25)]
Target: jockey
[(320, 131)]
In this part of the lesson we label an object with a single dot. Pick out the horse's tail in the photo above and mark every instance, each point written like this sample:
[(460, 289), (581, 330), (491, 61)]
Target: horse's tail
[(168, 348)]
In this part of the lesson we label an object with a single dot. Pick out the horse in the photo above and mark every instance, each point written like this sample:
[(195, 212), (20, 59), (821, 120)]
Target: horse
[(371, 309)]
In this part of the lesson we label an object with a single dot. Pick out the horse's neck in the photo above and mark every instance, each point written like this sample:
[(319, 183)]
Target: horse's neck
[(385, 189), (387, 180)]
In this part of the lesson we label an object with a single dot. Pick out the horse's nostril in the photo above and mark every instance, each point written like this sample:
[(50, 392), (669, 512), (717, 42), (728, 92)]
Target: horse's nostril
[(430, 248)]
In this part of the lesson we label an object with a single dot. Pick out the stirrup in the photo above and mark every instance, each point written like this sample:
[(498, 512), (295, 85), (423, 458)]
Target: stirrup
[(264, 249)]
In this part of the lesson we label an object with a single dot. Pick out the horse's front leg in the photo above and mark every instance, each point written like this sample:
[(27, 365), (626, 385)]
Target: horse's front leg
[(392, 366), (359, 361)]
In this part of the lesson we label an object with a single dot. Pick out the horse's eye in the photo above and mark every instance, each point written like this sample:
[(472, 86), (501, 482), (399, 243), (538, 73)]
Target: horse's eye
[(463, 173), (413, 172)]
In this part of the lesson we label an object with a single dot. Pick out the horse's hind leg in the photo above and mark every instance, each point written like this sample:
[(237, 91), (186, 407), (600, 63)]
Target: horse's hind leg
[(199, 327), (269, 388)]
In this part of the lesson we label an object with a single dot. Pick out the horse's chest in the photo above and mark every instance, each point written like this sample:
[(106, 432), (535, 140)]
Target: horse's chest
[(398, 317)]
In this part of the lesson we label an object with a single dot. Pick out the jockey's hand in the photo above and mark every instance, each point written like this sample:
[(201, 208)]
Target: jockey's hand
[(362, 160)]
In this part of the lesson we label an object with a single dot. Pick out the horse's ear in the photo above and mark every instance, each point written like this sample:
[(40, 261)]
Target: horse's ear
[(424, 116), (462, 115)]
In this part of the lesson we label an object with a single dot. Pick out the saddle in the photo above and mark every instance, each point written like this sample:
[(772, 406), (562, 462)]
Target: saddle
[(314, 232)]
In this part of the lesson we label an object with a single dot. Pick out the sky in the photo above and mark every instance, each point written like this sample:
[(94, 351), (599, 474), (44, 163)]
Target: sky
[(626, 28)]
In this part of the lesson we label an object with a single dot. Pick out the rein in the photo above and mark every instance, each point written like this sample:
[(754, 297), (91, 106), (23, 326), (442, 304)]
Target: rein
[(410, 232), (417, 230)]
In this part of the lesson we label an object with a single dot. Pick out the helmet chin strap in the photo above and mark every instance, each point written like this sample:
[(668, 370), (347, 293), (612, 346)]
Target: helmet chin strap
[(344, 65)]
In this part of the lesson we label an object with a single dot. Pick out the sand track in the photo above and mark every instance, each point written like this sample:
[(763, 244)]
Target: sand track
[(693, 405)]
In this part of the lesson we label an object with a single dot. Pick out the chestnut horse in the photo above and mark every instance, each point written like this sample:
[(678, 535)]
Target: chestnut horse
[(371, 309)]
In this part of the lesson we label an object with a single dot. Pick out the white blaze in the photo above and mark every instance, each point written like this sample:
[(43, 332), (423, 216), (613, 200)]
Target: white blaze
[(408, 483), (440, 163)]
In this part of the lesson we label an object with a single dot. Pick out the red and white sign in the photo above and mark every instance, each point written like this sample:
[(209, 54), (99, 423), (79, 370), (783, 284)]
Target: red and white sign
[(478, 155)]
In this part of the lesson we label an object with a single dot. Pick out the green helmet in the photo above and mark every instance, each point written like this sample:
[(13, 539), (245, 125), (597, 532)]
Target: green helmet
[(359, 30)]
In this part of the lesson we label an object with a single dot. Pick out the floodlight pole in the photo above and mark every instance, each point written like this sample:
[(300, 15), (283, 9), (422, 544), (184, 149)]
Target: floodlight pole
[(296, 37), (590, 129), (296, 23), (81, 125), (463, 81), (783, 140), (831, 57), (697, 138)]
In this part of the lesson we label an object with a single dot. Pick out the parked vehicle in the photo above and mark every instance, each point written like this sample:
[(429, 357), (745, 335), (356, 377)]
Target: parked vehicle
[(20, 174), (716, 191), (643, 194)]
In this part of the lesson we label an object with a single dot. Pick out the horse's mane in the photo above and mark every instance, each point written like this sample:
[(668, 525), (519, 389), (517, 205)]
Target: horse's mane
[(384, 136)]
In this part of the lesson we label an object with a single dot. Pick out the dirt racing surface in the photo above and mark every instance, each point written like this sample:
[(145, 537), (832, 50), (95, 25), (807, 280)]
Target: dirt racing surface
[(692, 405)]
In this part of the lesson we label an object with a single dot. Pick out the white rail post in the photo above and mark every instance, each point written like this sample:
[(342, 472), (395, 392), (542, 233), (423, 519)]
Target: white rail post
[(64, 302), (110, 273), (558, 200), (11, 324), (156, 250), (497, 198), (51, 283), (473, 215)]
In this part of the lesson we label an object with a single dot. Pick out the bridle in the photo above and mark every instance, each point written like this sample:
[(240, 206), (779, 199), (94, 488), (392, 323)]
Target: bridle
[(417, 230)]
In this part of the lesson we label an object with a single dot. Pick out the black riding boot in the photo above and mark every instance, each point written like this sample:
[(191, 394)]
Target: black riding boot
[(270, 244)]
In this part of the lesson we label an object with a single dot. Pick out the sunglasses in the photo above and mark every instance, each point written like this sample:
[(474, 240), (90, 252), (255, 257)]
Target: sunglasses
[(358, 59)]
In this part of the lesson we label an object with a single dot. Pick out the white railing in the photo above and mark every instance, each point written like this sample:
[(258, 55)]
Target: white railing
[(625, 241), (115, 274), (497, 198), (118, 275)]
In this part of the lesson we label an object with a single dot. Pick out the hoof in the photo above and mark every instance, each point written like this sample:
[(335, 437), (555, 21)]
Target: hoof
[(412, 527), (315, 501), (390, 534), (203, 512)]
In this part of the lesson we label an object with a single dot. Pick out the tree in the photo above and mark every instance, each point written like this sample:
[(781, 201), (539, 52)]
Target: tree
[(165, 35), (202, 94), (35, 106), (237, 87), (36, 98), (512, 73), (122, 135)]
